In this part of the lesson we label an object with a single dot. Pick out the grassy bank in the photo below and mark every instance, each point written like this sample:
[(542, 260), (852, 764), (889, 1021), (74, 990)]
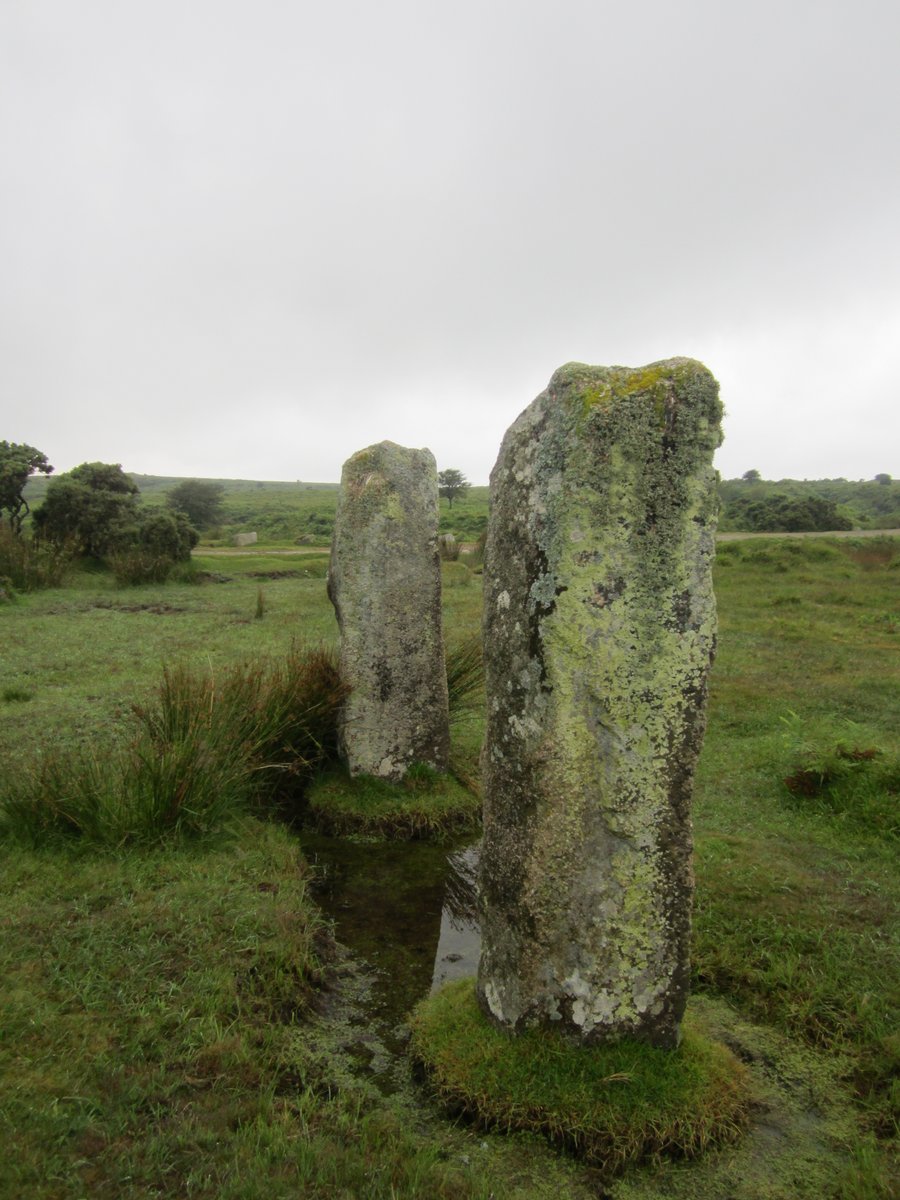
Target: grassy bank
[(167, 1016)]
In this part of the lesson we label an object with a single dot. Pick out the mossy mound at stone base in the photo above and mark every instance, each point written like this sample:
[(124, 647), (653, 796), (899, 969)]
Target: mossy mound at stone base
[(611, 1105), (426, 804)]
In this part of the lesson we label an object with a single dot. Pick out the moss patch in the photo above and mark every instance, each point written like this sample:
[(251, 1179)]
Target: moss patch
[(611, 1105), (425, 804)]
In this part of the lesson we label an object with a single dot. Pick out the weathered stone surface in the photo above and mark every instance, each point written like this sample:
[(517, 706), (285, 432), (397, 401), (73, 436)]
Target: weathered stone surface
[(599, 628), (384, 581), (244, 539)]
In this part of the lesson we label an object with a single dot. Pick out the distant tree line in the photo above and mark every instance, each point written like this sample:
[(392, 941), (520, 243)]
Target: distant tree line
[(752, 504), (96, 511)]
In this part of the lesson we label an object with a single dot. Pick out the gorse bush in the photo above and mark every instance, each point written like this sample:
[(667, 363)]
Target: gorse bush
[(207, 750)]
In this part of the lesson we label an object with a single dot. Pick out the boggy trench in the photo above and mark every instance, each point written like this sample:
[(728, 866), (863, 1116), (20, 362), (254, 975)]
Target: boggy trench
[(407, 912)]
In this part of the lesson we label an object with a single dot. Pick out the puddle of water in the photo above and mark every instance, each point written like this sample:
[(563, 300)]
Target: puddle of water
[(459, 942), (408, 910)]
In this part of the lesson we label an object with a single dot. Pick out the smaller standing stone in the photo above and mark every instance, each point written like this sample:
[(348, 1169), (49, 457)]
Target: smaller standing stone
[(384, 581)]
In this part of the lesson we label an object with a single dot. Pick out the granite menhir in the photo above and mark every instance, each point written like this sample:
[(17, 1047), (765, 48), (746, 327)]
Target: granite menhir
[(384, 581), (599, 630)]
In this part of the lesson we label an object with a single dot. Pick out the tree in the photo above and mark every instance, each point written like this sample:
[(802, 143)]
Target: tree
[(751, 476), (18, 462), (199, 500), (452, 484), (94, 505), (883, 478)]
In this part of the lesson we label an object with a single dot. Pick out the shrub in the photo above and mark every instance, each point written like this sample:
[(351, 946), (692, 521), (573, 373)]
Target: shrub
[(137, 566), (148, 551), (167, 534), (28, 565), (781, 513), (200, 500)]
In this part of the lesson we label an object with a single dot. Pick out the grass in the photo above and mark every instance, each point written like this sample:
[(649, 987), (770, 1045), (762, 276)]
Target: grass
[(158, 1038), (207, 750), (611, 1105), (120, 969), (796, 905), (424, 804), (86, 653)]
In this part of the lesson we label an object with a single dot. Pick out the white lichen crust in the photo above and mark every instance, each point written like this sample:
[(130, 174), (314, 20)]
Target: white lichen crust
[(384, 581), (599, 629)]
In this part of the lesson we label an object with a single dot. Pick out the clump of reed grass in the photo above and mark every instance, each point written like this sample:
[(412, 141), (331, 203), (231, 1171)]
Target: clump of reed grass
[(465, 679), (207, 749), (611, 1105)]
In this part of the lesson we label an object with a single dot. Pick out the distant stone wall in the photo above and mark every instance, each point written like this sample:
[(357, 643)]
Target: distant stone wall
[(244, 539), (599, 628), (385, 584)]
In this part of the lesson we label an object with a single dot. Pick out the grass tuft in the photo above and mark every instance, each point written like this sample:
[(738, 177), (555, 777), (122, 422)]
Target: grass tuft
[(610, 1105), (208, 748), (465, 679)]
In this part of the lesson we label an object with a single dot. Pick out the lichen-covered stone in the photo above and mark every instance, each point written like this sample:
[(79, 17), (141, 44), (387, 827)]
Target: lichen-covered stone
[(599, 629), (384, 581)]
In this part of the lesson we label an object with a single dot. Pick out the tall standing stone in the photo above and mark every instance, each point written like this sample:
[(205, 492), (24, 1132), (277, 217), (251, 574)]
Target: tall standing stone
[(384, 581), (599, 629)]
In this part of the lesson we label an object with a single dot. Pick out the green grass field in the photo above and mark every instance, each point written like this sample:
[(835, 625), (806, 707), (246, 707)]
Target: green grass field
[(169, 1019)]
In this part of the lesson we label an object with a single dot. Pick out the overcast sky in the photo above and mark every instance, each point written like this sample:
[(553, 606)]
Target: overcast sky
[(245, 239)]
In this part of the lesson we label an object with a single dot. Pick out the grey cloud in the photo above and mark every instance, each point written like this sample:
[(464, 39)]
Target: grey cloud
[(336, 225)]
